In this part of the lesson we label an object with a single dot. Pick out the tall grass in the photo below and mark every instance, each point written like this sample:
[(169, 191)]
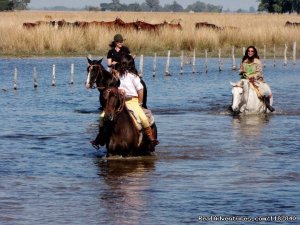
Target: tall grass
[(254, 29)]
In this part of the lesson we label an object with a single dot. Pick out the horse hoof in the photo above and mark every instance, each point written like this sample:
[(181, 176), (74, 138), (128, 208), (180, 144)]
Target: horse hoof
[(154, 143), (95, 146)]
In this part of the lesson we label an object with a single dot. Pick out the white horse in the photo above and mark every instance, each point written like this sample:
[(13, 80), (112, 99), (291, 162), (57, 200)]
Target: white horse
[(245, 99)]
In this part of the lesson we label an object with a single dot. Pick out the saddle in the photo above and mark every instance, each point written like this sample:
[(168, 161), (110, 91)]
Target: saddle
[(254, 86), (138, 123), (137, 120), (264, 99)]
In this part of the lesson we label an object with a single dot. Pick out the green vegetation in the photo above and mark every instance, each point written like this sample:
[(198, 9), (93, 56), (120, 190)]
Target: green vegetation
[(279, 6), (8, 5)]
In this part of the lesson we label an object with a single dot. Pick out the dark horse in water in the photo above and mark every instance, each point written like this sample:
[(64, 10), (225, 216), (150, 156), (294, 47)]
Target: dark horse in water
[(98, 77), (121, 133)]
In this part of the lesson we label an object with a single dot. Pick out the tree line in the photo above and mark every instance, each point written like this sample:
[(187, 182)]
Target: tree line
[(270, 6), (9, 5), (154, 6), (279, 6)]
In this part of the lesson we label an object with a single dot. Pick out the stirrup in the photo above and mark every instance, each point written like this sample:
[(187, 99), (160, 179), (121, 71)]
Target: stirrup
[(95, 146), (271, 108)]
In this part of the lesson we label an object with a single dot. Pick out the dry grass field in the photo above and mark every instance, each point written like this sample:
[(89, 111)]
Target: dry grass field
[(253, 29)]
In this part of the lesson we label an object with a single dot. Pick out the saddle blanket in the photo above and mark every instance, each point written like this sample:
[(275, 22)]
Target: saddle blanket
[(137, 120)]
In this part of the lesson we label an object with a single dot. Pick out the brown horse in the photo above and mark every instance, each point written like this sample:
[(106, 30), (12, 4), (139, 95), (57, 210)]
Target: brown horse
[(98, 77), (121, 133)]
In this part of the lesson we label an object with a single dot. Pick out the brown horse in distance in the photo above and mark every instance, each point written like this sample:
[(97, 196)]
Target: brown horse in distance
[(200, 25)]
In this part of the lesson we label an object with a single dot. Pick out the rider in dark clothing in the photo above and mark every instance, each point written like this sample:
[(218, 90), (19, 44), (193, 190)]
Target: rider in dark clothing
[(117, 50), (115, 54)]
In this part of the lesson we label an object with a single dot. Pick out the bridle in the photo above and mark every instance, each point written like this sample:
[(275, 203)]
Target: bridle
[(120, 96), (99, 72), (244, 100)]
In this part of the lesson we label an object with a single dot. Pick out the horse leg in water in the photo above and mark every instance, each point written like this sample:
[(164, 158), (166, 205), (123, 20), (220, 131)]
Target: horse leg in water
[(266, 100), (100, 139), (145, 95), (101, 100)]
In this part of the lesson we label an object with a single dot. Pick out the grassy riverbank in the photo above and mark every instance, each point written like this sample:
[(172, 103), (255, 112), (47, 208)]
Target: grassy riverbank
[(253, 29)]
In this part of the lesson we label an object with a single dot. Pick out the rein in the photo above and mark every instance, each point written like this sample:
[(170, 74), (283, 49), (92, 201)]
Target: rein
[(90, 67), (244, 100), (121, 98)]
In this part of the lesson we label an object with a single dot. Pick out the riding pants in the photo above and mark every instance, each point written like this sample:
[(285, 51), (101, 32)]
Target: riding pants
[(263, 88), (133, 105)]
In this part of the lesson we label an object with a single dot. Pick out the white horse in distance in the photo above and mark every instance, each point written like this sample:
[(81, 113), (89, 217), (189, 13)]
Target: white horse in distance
[(245, 99)]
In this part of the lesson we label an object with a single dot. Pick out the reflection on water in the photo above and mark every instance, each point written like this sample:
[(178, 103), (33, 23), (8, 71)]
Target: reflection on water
[(126, 183), (250, 126)]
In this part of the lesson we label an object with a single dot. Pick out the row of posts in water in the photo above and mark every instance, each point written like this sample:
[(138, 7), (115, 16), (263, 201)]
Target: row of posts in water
[(35, 82), (167, 71)]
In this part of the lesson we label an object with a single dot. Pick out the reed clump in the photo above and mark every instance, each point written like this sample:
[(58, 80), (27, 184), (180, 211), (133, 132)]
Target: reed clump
[(241, 30)]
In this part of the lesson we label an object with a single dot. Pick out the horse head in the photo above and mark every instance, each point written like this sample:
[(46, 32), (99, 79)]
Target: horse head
[(115, 101), (237, 96), (94, 73), (98, 75)]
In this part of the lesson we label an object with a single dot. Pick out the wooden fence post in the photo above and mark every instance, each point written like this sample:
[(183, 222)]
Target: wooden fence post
[(15, 78), (181, 63), (265, 51), (294, 52), (220, 60), (274, 57), (194, 61), (154, 65), (285, 55), (168, 64), (35, 83), (141, 66), (72, 74), (233, 58), (53, 75), (206, 61)]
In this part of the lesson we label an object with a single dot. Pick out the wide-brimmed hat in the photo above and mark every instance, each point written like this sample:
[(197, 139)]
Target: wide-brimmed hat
[(118, 38)]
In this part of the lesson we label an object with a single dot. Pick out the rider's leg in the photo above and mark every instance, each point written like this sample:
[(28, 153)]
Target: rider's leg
[(134, 106), (101, 100), (266, 100), (265, 91)]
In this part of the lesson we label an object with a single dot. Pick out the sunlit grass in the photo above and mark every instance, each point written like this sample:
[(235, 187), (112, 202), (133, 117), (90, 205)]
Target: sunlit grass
[(253, 29)]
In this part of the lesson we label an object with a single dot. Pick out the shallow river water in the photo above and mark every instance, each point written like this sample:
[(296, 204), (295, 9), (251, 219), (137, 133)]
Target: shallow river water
[(209, 168)]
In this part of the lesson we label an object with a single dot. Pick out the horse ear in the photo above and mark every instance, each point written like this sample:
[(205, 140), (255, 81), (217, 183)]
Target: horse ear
[(232, 84), (100, 61), (89, 60)]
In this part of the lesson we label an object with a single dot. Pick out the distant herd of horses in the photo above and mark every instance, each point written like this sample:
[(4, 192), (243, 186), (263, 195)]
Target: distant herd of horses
[(137, 25), (115, 24)]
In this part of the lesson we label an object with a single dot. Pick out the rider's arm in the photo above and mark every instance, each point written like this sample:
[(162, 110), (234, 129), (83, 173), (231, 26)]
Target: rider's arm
[(110, 62), (140, 96), (258, 69)]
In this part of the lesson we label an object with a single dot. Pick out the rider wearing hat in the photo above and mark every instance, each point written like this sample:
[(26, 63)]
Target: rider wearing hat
[(117, 50)]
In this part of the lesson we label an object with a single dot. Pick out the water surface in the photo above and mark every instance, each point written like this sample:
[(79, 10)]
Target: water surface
[(208, 163)]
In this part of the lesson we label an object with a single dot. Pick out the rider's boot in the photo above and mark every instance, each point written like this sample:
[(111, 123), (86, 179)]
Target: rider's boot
[(100, 139), (267, 102), (150, 135)]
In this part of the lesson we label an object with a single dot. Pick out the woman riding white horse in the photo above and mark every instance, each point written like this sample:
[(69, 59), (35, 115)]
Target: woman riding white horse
[(251, 69), (245, 99)]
